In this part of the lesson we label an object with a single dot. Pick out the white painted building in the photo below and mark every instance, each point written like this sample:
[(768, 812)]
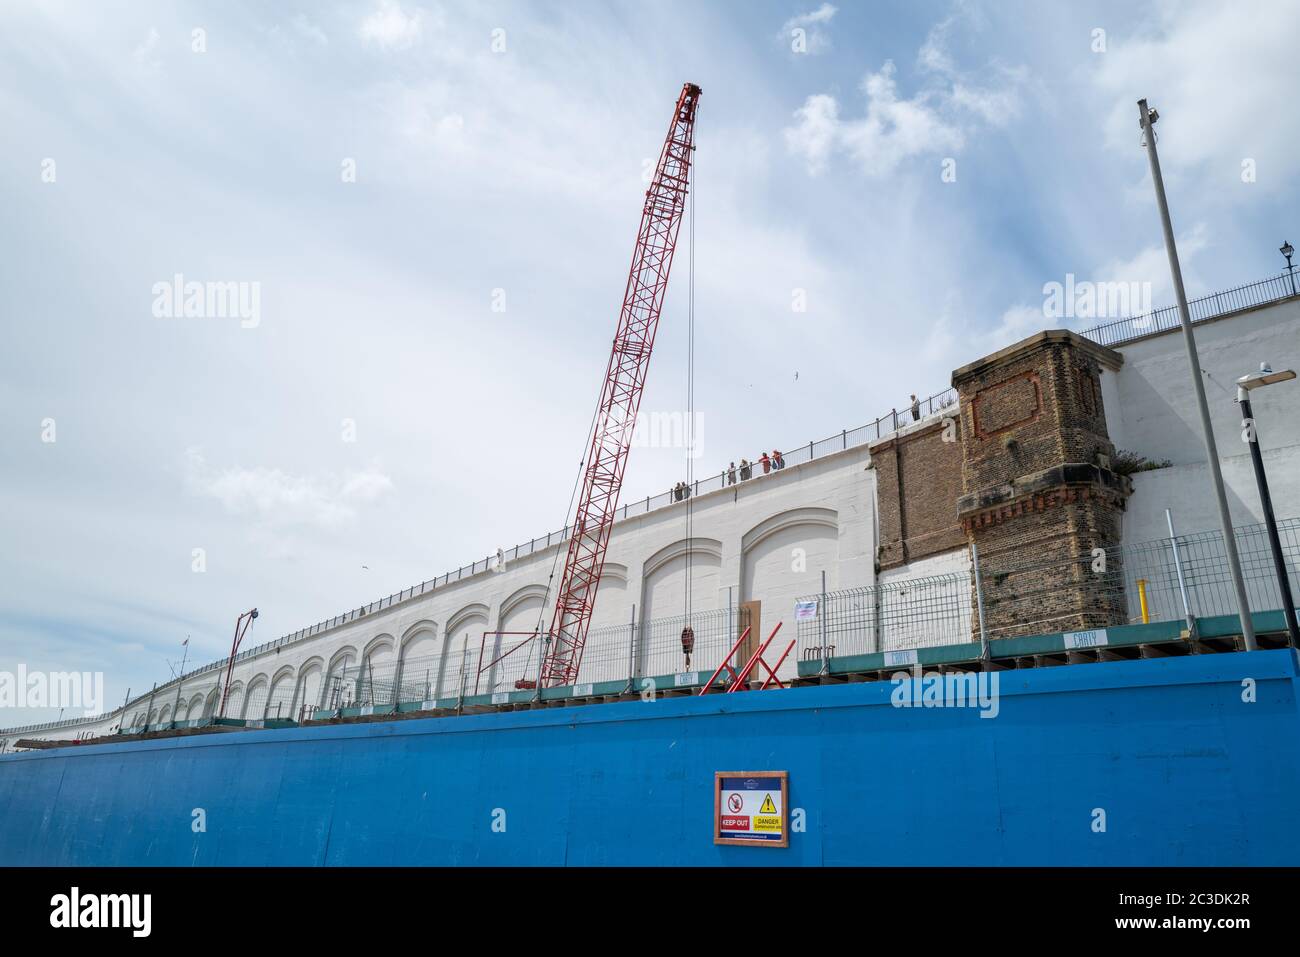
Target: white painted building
[(767, 540)]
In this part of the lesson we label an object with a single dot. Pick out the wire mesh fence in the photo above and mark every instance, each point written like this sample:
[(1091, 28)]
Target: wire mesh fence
[(1075, 588), (910, 613)]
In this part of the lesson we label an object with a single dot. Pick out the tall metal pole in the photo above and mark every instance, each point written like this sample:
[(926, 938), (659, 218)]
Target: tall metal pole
[(1178, 568), (821, 620), (1270, 522), (1189, 338), (185, 656), (631, 654), (979, 602)]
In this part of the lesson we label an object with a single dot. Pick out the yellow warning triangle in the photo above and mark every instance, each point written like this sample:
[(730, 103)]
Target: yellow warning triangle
[(768, 807)]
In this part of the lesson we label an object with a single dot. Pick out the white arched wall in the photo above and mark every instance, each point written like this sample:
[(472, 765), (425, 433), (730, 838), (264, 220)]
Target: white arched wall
[(663, 595), (464, 632), (279, 700), (235, 703), (337, 686), (378, 665), (308, 685), (612, 602), (254, 705), (418, 661), (782, 559), (520, 612)]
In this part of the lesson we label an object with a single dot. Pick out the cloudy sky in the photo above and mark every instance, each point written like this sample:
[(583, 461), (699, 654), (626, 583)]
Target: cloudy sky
[(436, 204)]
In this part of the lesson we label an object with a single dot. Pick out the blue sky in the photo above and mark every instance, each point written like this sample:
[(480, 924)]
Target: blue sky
[(519, 169)]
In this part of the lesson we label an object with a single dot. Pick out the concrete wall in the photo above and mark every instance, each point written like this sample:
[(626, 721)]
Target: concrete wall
[(770, 538), (1185, 771), (1151, 410)]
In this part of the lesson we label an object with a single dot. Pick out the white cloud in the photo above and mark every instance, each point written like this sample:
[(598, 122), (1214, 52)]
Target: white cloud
[(814, 135), (937, 120), (144, 51), (814, 40), (309, 30), (1148, 267), (281, 499), (893, 130), (391, 27), (1220, 75), (1151, 265)]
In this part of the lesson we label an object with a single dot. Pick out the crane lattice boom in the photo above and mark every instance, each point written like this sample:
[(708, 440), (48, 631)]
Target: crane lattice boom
[(620, 397)]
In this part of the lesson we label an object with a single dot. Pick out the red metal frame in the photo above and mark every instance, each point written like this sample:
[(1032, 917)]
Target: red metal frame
[(620, 397), (726, 663), (242, 624), (740, 679), (482, 641)]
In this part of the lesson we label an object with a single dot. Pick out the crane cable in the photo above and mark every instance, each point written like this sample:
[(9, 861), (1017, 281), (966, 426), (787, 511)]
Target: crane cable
[(693, 181), (550, 579)]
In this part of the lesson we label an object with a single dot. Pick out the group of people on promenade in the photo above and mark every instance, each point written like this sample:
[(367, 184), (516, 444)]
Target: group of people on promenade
[(773, 463), (768, 463)]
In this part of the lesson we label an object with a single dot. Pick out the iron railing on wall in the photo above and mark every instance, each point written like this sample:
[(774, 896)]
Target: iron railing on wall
[(1261, 293)]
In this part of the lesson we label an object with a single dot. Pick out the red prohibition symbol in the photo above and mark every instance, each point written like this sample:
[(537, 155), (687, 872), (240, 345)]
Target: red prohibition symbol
[(734, 803)]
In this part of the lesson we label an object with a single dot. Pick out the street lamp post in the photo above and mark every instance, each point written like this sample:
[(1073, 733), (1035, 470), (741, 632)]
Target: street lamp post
[(1287, 250), (1147, 118), (1247, 383)]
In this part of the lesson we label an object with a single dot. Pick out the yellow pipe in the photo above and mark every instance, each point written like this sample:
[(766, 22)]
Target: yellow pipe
[(1142, 597)]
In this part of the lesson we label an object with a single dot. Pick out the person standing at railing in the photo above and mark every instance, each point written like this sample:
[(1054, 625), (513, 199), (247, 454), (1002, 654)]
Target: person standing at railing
[(731, 473), (766, 463), (746, 470), (778, 462), (916, 409)]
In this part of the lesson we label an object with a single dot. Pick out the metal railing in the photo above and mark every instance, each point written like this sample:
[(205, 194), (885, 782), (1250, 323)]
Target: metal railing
[(1261, 293)]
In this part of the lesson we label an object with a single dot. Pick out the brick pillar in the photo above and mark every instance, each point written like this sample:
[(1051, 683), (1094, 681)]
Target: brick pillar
[(1038, 493)]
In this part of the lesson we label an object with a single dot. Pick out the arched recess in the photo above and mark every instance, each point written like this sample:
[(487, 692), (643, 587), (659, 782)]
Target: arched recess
[(782, 559), (212, 702), (308, 685), (164, 714), (196, 707), (460, 650), (378, 669), (519, 612), (153, 717), (613, 606), (279, 700), (254, 705), (336, 692), (663, 578), (235, 701), (182, 711), (663, 596), (417, 661)]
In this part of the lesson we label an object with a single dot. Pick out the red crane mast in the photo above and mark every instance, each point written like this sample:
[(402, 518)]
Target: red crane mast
[(620, 396)]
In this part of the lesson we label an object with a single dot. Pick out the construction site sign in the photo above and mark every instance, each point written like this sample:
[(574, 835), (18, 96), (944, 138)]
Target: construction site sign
[(750, 807)]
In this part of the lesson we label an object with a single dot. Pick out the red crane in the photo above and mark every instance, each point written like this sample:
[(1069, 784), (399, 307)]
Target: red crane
[(602, 479)]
